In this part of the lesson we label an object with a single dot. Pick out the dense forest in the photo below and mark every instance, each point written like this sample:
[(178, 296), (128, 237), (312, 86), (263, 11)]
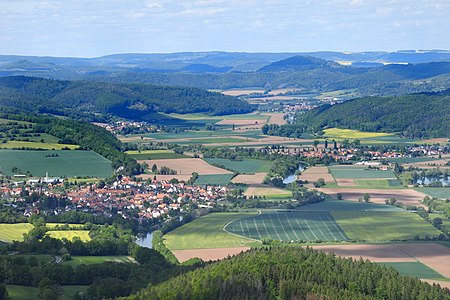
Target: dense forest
[(134, 101), (292, 273), (425, 115)]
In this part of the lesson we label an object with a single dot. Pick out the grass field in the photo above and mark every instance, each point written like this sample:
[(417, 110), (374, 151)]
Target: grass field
[(212, 140), (410, 160), (352, 134), (215, 179), (359, 173), (289, 226), (154, 154), (378, 184), (17, 292), (246, 166), (42, 258), (343, 205), (36, 145), (92, 260), (69, 291), (70, 234), (68, 163), (384, 226), (53, 225), (416, 269), (14, 232), (207, 232), (443, 193)]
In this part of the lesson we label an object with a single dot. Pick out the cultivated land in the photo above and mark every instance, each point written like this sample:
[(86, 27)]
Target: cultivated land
[(355, 172), (246, 166), (215, 179), (443, 193), (155, 154), (67, 163), (352, 134), (314, 173), (207, 232), (70, 234), (264, 190), (186, 166), (384, 226), (92, 260), (208, 254), (37, 145), (14, 232), (254, 179)]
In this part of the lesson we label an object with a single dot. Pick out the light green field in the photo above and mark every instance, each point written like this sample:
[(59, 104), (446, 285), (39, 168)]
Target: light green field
[(246, 166), (42, 258), (155, 154), (92, 260), (352, 134), (14, 232), (384, 226), (53, 225), (443, 193), (200, 116), (36, 145), (214, 140), (70, 234), (378, 184), (416, 269), (215, 179), (17, 292), (68, 163), (357, 172), (69, 291), (207, 232)]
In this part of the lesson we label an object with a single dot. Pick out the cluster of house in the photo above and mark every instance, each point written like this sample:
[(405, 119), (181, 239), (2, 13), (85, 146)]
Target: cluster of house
[(128, 198)]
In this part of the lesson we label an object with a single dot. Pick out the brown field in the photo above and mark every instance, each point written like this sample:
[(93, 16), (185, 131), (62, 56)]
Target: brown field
[(443, 284), (428, 164), (241, 92), (186, 166), (433, 255), (282, 91), (438, 140), (345, 182), (245, 122), (406, 196), (275, 98), (264, 141), (208, 254), (256, 178), (265, 190), (181, 177), (275, 118), (314, 173)]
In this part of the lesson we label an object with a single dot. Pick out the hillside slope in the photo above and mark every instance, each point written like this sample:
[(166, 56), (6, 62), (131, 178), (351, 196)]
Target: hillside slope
[(292, 273), (125, 100), (414, 115)]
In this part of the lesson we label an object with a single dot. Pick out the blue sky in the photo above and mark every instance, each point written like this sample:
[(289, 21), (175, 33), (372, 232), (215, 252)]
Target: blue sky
[(89, 28)]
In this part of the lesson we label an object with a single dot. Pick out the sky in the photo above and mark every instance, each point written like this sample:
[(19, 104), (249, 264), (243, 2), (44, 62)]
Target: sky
[(92, 28)]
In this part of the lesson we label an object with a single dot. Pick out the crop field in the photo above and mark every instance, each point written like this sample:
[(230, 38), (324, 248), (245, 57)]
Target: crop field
[(207, 232), (352, 134), (213, 140), (354, 172), (246, 166), (410, 160), (186, 166), (14, 232), (289, 226), (378, 184), (268, 191), (70, 234), (68, 163), (214, 179), (92, 260), (415, 269), (443, 193), (36, 145), (349, 206), (384, 226), (155, 154)]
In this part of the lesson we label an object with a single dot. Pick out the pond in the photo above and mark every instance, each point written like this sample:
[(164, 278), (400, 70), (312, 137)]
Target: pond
[(427, 180), (145, 240), (290, 178)]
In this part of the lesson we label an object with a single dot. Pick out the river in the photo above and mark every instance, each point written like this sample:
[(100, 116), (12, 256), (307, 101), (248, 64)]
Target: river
[(290, 178), (145, 240)]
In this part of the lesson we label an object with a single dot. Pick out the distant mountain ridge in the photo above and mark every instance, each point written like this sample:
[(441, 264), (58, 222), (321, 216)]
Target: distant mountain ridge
[(298, 63)]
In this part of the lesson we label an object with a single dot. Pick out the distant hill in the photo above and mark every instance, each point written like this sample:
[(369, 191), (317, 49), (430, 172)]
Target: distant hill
[(291, 273), (125, 100), (414, 115), (297, 63)]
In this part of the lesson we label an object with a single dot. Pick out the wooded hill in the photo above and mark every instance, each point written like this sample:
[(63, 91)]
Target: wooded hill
[(414, 115), (292, 273), (125, 100)]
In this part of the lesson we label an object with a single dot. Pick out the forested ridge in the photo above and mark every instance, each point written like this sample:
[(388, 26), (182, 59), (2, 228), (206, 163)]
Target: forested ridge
[(133, 101), (292, 273), (425, 115)]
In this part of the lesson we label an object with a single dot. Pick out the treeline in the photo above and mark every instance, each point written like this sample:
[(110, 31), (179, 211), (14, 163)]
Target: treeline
[(292, 273), (132, 101), (413, 116), (87, 135)]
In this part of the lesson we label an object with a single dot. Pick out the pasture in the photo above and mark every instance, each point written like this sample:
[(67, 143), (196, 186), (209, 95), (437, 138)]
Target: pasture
[(289, 226), (14, 232), (70, 234), (66, 164), (36, 145), (245, 166), (213, 179), (378, 184), (443, 193), (154, 154), (352, 134), (207, 232), (92, 260), (354, 172), (384, 226)]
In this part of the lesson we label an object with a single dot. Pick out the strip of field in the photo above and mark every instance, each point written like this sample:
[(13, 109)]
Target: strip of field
[(245, 166), (56, 163), (443, 193), (276, 118), (343, 205), (70, 234), (184, 177), (207, 232), (314, 173), (406, 196), (416, 269), (376, 183), (214, 179), (434, 255), (352, 134), (345, 182), (92, 260), (37, 145), (14, 232), (384, 226), (289, 226), (187, 166), (155, 154), (352, 172), (208, 254), (254, 179), (266, 191), (240, 92)]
